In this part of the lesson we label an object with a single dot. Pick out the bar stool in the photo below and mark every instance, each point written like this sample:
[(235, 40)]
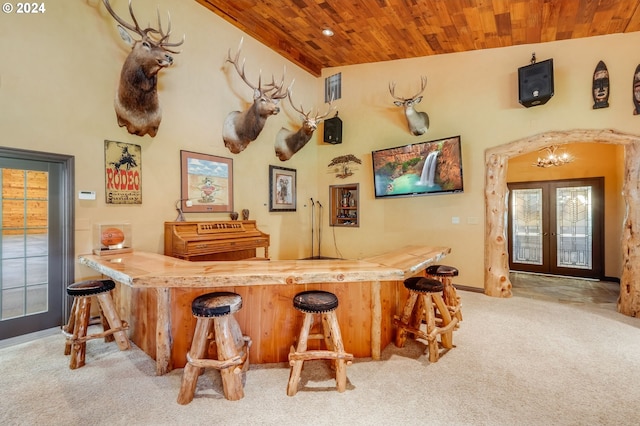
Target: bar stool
[(76, 328), (445, 274), (216, 309), (323, 303), (425, 297)]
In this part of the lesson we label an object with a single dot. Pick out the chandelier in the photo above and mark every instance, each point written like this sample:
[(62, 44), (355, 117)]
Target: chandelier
[(552, 158)]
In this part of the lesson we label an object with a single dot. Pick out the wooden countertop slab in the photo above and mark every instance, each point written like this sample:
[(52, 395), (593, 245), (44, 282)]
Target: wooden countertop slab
[(411, 259), (143, 269)]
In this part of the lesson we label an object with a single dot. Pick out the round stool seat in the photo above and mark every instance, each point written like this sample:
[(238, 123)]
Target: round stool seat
[(90, 287), (423, 285), (315, 301), (216, 304), (442, 271)]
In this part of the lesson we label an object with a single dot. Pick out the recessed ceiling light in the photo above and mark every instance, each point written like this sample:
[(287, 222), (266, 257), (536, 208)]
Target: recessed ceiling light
[(327, 32)]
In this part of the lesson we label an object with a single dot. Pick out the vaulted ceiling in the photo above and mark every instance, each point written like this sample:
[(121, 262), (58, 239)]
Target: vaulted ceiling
[(382, 30)]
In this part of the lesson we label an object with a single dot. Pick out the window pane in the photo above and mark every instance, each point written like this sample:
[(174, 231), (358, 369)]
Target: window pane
[(37, 299), (574, 227), (13, 273), (37, 270), (527, 226), (12, 183), (37, 184), (12, 214), (12, 246), (13, 303)]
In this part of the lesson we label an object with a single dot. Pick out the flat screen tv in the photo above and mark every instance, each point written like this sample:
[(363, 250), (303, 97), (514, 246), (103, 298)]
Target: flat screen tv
[(424, 168)]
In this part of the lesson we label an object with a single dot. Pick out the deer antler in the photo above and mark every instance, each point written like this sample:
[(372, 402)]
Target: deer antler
[(423, 85), (301, 110), (122, 22), (273, 90), (240, 71), (145, 33), (164, 44), (317, 118)]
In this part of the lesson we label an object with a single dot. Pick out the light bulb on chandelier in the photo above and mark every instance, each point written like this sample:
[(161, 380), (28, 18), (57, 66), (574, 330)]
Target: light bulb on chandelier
[(553, 158)]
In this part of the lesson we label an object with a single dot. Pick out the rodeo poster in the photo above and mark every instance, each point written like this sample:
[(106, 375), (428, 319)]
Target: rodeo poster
[(123, 173)]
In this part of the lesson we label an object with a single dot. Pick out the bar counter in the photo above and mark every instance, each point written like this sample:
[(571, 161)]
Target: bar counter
[(156, 292)]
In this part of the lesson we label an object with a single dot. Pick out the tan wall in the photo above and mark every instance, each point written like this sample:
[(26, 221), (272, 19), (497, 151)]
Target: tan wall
[(60, 69), (58, 78), (475, 95)]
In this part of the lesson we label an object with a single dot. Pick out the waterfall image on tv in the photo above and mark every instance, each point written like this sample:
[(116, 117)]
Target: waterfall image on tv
[(424, 168)]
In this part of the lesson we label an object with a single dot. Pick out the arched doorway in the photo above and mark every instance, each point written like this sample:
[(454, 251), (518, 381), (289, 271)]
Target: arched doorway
[(496, 259)]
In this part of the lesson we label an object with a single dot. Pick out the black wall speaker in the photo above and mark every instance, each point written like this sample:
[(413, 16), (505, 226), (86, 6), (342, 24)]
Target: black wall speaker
[(333, 130), (535, 83)]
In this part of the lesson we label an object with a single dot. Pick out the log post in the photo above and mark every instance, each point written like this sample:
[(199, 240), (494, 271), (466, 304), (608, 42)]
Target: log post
[(629, 300), (376, 320), (496, 256), (163, 331)]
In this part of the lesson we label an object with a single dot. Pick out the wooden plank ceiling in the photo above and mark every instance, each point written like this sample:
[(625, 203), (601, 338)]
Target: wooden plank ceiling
[(381, 30)]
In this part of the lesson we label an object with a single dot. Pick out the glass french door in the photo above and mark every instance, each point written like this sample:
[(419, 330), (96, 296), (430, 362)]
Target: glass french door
[(34, 244), (556, 227)]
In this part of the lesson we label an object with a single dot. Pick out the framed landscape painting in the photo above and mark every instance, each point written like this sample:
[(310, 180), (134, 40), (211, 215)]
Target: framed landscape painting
[(206, 182)]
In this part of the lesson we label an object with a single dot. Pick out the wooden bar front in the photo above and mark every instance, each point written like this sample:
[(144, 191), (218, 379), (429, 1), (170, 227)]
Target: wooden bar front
[(158, 290)]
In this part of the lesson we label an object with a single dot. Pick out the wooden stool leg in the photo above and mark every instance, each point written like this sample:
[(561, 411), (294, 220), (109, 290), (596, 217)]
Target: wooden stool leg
[(109, 311), (105, 326), (80, 326), (446, 335), (430, 319), (296, 365), (227, 341), (70, 325), (241, 343), (337, 346), (401, 333), (418, 313), (190, 373), (451, 297), (328, 340)]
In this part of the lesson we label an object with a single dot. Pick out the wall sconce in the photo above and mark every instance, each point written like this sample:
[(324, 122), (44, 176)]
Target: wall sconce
[(553, 158), (188, 203)]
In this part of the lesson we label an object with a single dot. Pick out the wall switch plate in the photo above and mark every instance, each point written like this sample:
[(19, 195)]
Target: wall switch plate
[(455, 220)]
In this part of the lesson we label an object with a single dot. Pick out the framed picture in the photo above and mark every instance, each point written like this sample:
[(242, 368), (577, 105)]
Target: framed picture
[(206, 183), (122, 173), (282, 189)]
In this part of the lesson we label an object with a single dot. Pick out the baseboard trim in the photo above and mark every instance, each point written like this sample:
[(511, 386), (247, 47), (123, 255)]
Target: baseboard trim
[(469, 288), (12, 341)]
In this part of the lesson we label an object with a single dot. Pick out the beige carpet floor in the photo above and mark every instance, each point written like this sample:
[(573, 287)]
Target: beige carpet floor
[(516, 362)]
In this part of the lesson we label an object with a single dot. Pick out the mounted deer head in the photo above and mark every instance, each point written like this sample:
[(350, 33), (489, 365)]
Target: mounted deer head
[(136, 102), (418, 121), (289, 142), (240, 128)]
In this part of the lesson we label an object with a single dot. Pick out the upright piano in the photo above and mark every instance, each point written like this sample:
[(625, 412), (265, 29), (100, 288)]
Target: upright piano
[(215, 240)]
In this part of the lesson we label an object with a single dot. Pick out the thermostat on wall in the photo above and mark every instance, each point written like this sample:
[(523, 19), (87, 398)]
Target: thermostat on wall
[(87, 195)]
